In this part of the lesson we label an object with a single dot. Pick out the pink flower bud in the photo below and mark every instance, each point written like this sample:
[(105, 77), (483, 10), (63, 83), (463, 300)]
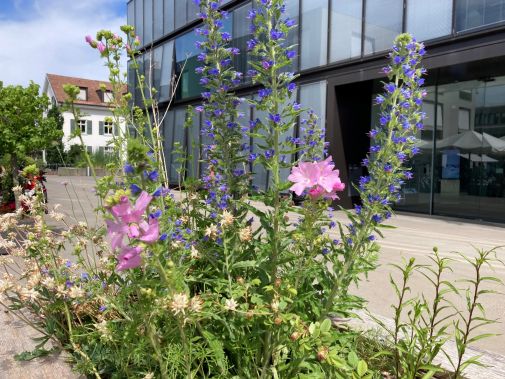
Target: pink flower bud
[(101, 47), (88, 39)]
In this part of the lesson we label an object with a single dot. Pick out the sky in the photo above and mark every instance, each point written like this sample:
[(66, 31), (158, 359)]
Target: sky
[(47, 36)]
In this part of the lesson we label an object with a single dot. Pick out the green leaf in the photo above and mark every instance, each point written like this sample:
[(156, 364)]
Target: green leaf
[(325, 325), (217, 348), (362, 368)]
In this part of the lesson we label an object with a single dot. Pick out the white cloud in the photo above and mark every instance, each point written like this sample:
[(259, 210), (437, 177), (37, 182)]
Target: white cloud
[(49, 38)]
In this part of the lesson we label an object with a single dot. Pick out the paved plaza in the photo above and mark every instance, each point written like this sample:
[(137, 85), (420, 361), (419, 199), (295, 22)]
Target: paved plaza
[(414, 237)]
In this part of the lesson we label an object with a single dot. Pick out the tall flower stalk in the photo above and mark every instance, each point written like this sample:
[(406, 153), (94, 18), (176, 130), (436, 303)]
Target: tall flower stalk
[(270, 28), (226, 175), (392, 144)]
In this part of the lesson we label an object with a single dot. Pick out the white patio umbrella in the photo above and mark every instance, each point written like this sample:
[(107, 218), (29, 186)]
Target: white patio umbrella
[(471, 142), (478, 158)]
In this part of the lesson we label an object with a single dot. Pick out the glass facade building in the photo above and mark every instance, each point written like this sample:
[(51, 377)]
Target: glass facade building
[(341, 47)]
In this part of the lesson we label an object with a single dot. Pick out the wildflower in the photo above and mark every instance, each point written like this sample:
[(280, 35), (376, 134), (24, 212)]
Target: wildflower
[(211, 231), (274, 305), (319, 177), (76, 292), (101, 47), (196, 304), (226, 218), (230, 304), (129, 258), (104, 331), (129, 221), (149, 375), (245, 234), (28, 294), (179, 303)]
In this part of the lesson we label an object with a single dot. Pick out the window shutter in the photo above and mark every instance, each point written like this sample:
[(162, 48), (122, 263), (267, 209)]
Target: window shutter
[(101, 149), (100, 128), (72, 126), (116, 129), (89, 127)]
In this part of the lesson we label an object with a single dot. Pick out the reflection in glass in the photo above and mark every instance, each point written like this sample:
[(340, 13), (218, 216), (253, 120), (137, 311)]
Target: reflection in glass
[(193, 9), (139, 19), (168, 17), (194, 147), (164, 90), (313, 96), (168, 135), (156, 67), (180, 13), (473, 14), (241, 34), (178, 137), (148, 22), (471, 153), (314, 33), (158, 19), (345, 29), (435, 13), (186, 62), (292, 12), (383, 22), (131, 13), (416, 193), (260, 174)]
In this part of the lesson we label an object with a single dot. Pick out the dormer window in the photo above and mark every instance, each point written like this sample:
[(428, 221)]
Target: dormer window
[(107, 96), (83, 94)]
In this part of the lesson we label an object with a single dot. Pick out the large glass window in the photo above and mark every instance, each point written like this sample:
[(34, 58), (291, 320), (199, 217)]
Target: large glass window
[(427, 19), (148, 21), (241, 34), (178, 139), (168, 136), (194, 146), (186, 59), (464, 175), (313, 96), (181, 13), (158, 19), (131, 13), (260, 176), (168, 16), (314, 33), (383, 22), (292, 12), (166, 71), (476, 13), (139, 20), (156, 67), (346, 16), (193, 10)]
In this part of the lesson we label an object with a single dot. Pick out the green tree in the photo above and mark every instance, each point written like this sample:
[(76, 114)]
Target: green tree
[(56, 154), (24, 129)]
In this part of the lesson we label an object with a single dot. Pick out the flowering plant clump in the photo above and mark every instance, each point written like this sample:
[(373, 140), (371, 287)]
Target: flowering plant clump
[(211, 282)]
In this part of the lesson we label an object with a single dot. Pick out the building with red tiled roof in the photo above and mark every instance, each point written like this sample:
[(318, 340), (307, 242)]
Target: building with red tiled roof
[(93, 102)]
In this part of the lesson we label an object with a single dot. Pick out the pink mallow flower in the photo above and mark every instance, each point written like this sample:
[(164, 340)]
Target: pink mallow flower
[(129, 221), (319, 178), (129, 258), (101, 47), (88, 39)]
